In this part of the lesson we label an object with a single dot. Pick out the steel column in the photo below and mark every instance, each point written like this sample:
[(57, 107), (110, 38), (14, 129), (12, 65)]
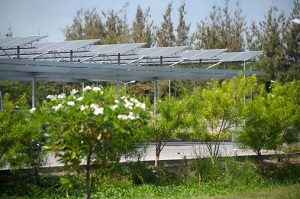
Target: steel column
[(155, 96), (117, 85), (34, 92)]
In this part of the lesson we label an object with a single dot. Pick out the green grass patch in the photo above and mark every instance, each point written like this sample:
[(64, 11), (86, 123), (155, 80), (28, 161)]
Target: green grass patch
[(274, 192), (216, 178)]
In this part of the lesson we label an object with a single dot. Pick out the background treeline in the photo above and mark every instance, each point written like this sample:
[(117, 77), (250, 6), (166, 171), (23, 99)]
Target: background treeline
[(225, 27)]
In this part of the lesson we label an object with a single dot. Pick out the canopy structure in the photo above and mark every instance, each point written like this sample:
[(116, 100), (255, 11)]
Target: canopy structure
[(29, 59)]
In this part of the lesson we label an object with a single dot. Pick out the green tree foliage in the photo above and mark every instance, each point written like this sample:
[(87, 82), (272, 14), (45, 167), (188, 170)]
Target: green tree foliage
[(182, 28), (268, 37), (164, 125), (288, 98), (86, 25), (113, 26), (95, 127), (262, 127), (125, 30), (142, 29), (272, 119), (291, 39), (164, 34), (216, 107), (221, 30), (15, 89), (20, 139), (216, 111)]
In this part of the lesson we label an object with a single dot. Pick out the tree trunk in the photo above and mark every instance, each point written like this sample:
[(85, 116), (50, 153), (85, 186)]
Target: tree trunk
[(157, 153), (87, 193)]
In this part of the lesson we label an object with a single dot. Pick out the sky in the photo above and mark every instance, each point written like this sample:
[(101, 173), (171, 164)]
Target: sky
[(50, 17)]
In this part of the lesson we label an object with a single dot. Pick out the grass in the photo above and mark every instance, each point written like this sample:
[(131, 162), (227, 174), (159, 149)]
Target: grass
[(201, 178), (274, 192)]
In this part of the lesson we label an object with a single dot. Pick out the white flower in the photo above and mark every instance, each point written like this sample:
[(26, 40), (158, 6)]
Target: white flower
[(98, 111), (114, 107), (141, 105), (134, 100), (123, 97), (79, 98), (94, 106), (51, 97), (82, 107), (116, 101), (71, 103), (56, 108), (132, 117), (128, 104), (31, 110), (73, 91), (61, 96), (87, 88), (96, 89), (122, 117)]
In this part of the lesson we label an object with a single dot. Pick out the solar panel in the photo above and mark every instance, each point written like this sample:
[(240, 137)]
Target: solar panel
[(239, 56), (13, 42), (54, 46), (202, 54), (114, 49), (4, 40), (76, 45), (156, 53)]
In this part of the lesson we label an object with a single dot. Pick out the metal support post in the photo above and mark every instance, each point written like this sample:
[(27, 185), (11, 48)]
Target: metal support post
[(119, 58), (71, 56), (34, 92), (155, 96), (200, 63), (18, 52), (117, 85), (161, 61), (1, 102)]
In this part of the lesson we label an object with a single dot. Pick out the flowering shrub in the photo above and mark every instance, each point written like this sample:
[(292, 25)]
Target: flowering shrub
[(95, 127)]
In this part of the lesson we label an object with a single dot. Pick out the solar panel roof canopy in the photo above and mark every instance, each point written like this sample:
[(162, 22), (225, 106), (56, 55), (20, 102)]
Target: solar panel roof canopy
[(25, 58), (50, 71)]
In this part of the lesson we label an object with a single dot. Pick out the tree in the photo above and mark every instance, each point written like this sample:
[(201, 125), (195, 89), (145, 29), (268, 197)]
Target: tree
[(164, 125), (182, 28), (20, 139), (96, 128), (113, 27), (272, 119), (125, 33), (291, 39), (164, 34), (15, 89), (216, 110), (288, 98), (142, 29), (268, 37), (9, 33), (221, 30), (86, 25)]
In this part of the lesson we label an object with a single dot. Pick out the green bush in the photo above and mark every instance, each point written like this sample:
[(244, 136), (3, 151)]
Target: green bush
[(20, 139), (228, 173)]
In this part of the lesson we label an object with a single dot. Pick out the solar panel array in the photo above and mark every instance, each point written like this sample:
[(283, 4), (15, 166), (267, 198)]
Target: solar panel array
[(30, 47), (14, 42)]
